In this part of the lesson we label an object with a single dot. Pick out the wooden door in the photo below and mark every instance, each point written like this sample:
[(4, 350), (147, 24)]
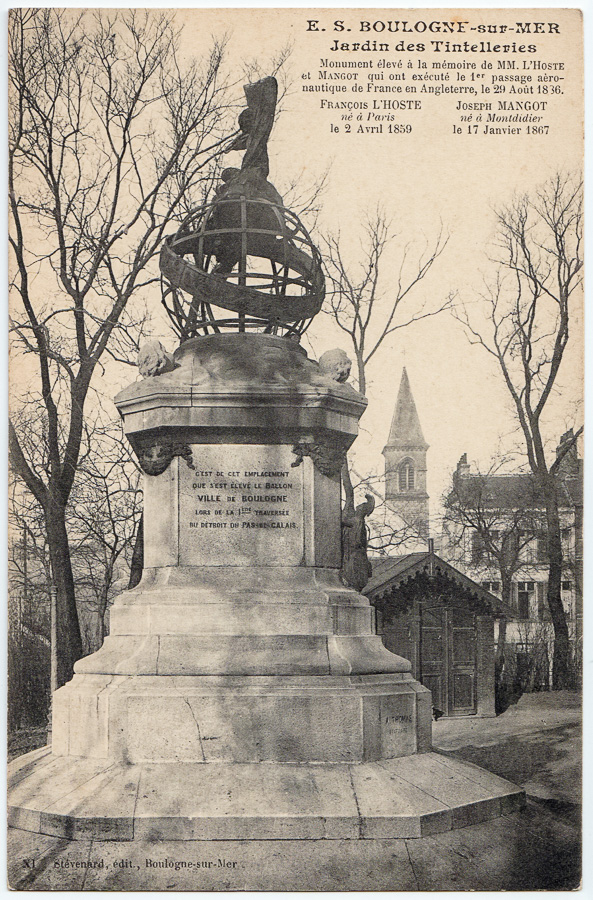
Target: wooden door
[(433, 655), (462, 662), (448, 659)]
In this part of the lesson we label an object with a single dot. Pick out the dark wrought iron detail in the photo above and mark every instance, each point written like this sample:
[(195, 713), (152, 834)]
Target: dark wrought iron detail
[(154, 459), (271, 276), (328, 456)]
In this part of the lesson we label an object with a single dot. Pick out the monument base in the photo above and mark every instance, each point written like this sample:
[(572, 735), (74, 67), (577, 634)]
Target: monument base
[(409, 797), (242, 693), (242, 719)]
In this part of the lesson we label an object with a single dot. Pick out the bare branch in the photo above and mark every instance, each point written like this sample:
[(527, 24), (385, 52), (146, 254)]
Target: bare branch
[(538, 269), (363, 303)]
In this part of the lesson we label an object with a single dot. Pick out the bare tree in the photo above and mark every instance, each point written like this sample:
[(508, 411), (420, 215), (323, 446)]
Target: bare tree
[(528, 310), (29, 573), (103, 515), (389, 530), (371, 301), (501, 529), (368, 304), (101, 520), (111, 140)]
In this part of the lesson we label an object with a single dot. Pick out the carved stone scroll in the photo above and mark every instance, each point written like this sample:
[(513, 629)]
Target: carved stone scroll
[(155, 458), (328, 456)]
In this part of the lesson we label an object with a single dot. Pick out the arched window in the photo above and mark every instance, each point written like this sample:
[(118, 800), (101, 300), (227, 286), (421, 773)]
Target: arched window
[(406, 475)]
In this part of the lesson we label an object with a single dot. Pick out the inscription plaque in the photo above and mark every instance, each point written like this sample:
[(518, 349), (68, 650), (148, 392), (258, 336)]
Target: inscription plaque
[(398, 726), (241, 505)]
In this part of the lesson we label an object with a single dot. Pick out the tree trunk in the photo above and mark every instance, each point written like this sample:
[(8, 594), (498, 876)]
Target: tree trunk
[(69, 642), (137, 563), (505, 583), (560, 665), (502, 638), (360, 370), (506, 688), (101, 628), (348, 511)]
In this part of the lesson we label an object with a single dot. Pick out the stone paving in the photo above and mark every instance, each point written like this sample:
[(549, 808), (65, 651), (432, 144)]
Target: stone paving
[(536, 744)]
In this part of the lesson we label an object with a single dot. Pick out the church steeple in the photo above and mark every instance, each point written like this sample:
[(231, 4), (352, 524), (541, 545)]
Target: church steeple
[(405, 462), (405, 430)]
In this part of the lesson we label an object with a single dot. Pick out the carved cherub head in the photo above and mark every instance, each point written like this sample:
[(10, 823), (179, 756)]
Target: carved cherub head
[(336, 364), (153, 359)]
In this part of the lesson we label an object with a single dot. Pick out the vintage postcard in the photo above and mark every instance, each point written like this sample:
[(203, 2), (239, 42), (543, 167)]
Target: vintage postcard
[(296, 476)]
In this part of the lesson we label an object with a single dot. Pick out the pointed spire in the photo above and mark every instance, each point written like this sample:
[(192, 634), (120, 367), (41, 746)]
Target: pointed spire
[(405, 430)]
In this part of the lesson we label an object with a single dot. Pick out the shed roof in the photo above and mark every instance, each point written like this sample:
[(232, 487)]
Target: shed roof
[(390, 572)]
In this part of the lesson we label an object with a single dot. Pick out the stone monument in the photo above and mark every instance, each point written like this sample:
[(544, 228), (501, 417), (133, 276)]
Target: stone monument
[(242, 692)]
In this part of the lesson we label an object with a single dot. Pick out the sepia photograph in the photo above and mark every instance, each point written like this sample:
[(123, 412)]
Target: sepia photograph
[(296, 411)]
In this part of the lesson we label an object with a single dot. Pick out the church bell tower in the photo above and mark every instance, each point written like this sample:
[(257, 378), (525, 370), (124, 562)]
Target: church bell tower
[(405, 462)]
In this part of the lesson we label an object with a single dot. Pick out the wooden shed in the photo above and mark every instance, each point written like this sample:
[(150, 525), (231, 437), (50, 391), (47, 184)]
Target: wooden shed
[(443, 622)]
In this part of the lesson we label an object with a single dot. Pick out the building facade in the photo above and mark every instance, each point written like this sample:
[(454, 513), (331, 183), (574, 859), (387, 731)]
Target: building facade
[(514, 512)]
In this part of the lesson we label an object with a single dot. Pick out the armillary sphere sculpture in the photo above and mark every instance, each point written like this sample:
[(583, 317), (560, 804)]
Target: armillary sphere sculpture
[(244, 252)]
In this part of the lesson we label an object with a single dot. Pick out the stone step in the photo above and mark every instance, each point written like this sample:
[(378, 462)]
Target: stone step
[(408, 797)]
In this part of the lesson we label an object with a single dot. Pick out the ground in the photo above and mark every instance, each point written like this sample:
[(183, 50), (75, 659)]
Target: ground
[(24, 740), (536, 744)]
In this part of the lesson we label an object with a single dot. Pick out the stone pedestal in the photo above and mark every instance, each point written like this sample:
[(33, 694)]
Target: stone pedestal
[(241, 655), (241, 644)]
